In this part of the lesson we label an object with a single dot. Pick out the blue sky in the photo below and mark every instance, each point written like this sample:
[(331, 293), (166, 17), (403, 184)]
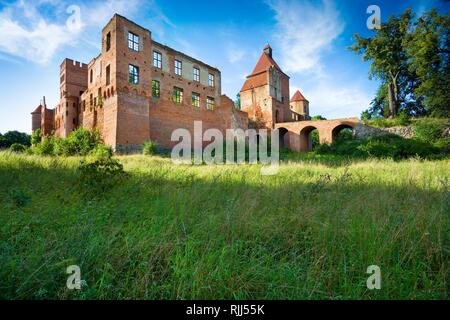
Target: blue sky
[(309, 40)]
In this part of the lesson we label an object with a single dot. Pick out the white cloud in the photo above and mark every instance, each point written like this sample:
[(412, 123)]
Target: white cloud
[(27, 33), (235, 53), (37, 43), (304, 30), (304, 34), (334, 101)]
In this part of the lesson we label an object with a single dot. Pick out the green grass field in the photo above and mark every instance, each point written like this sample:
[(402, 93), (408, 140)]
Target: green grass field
[(226, 232)]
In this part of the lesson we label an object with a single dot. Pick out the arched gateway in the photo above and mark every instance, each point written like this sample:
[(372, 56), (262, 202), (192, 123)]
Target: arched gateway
[(296, 135)]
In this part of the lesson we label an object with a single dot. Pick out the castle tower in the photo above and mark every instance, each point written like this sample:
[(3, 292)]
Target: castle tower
[(265, 93), (36, 118), (300, 105), (73, 82)]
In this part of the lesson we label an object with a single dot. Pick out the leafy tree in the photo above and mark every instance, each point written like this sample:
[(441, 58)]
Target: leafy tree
[(389, 61), (412, 61), (2, 141), (12, 137), (318, 118), (428, 47), (237, 102), (36, 137), (17, 147)]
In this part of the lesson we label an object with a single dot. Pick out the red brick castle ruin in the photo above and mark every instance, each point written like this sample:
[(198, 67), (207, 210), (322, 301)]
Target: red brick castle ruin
[(137, 89)]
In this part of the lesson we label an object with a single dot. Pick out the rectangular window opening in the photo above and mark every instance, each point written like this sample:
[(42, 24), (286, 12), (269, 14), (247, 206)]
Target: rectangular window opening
[(155, 89), (196, 74), (177, 95), (178, 67), (211, 80), (157, 59), (195, 100), (133, 41), (133, 74)]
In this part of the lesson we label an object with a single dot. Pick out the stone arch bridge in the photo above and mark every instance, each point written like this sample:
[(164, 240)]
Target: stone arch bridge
[(296, 135)]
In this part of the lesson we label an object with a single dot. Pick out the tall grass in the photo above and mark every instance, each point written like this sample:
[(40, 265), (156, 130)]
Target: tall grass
[(203, 232)]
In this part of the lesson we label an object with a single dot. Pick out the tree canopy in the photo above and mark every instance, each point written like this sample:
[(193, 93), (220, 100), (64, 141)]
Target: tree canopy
[(12, 137), (410, 58)]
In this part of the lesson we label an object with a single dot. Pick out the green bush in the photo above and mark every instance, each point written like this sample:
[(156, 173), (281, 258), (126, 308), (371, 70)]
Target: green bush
[(386, 146), (101, 151), (17, 147), (430, 129), (46, 147), (11, 137), (80, 142), (149, 147), (19, 197), (36, 137), (99, 176), (403, 119)]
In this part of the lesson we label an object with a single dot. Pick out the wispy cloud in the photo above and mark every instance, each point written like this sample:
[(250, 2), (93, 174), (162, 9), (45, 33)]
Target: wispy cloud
[(304, 30), (35, 30), (335, 101), (235, 53), (305, 34)]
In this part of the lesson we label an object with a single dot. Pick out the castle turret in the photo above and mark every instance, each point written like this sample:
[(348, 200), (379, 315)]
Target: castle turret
[(300, 105), (36, 118)]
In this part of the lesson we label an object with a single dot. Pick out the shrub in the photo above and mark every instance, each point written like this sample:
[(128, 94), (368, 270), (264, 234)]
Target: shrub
[(82, 142), (429, 130), (36, 137), (99, 176), (403, 119), (19, 198), (17, 147), (11, 137), (101, 151), (386, 146), (149, 147), (46, 147)]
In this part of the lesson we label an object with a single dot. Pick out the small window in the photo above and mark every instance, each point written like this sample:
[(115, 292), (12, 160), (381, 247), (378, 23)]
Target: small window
[(196, 74), (91, 99), (178, 67), (211, 80), (62, 78), (73, 121), (133, 41), (91, 76), (177, 95), (155, 88), (157, 59), (108, 41), (195, 100), (108, 75), (210, 103), (133, 74)]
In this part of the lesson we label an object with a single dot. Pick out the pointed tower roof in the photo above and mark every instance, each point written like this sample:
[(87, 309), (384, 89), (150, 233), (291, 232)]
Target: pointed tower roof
[(37, 110), (298, 97), (258, 78), (265, 61)]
